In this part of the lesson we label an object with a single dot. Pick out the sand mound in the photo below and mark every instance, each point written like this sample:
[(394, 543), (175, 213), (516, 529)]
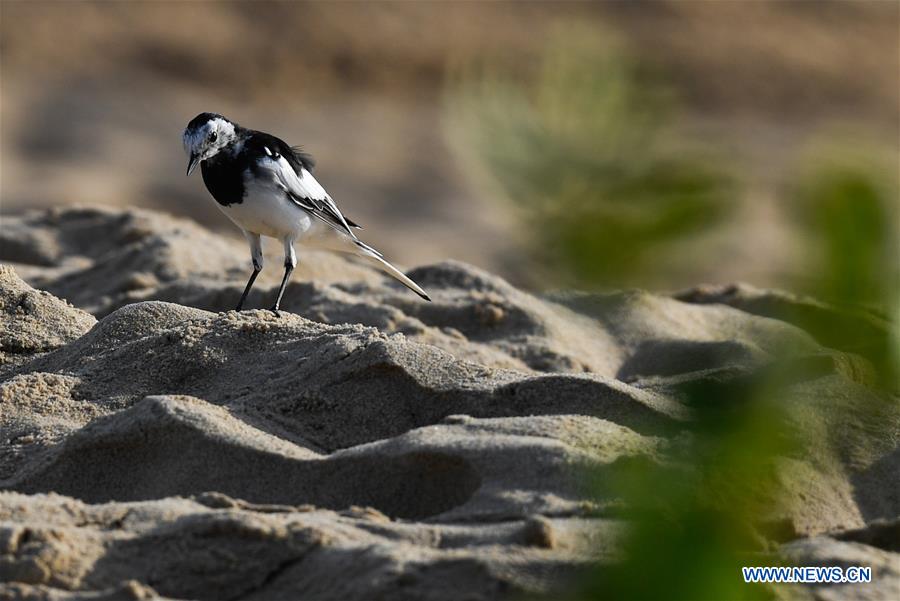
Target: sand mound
[(102, 258), (367, 444), (216, 548), (34, 322), (875, 546)]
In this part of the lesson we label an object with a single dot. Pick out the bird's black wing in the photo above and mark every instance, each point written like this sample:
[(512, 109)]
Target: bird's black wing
[(292, 170), (302, 158)]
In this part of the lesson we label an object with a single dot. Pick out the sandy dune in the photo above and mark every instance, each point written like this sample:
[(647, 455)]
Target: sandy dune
[(369, 445)]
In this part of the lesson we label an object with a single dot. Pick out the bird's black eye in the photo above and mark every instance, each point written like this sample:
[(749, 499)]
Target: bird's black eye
[(213, 136)]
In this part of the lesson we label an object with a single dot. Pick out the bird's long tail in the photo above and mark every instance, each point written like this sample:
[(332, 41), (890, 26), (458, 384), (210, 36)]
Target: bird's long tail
[(377, 259)]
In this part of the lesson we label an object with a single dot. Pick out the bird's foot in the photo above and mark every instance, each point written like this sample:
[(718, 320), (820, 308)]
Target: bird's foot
[(275, 311)]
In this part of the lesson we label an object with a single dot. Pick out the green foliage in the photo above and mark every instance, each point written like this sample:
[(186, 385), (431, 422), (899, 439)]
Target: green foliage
[(712, 507), (845, 203), (704, 512), (586, 154), (847, 206)]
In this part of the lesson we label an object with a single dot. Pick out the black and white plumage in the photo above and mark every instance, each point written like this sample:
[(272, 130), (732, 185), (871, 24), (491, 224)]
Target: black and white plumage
[(266, 188)]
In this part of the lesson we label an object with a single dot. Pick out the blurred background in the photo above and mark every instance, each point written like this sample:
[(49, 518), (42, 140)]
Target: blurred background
[(657, 144)]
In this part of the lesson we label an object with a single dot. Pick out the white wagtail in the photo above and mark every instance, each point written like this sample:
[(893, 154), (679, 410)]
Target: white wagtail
[(266, 188)]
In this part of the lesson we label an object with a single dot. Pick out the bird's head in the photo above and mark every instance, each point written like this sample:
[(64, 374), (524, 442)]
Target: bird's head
[(205, 136)]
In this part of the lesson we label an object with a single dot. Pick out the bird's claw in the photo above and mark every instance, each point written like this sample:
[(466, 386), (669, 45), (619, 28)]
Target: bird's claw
[(275, 311)]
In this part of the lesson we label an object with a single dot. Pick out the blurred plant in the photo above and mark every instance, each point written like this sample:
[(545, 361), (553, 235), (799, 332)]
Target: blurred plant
[(713, 505), (587, 154), (847, 206), (709, 507), (845, 202)]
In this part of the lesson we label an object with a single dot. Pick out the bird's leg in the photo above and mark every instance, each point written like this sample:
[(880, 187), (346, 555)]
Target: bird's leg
[(256, 270), (256, 253), (287, 274), (290, 260)]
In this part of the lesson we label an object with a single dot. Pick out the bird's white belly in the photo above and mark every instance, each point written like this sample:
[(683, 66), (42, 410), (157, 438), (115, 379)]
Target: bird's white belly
[(267, 212)]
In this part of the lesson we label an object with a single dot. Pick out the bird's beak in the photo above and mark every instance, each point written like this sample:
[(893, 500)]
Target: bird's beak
[(192, 163)]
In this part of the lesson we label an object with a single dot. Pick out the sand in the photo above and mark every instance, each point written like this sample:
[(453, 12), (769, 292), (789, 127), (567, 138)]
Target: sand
[(367, 445)]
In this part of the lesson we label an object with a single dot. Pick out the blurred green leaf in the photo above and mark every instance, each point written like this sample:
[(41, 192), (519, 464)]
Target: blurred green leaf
[(584, 149), (585, 152), (845, 202), (849, 212)]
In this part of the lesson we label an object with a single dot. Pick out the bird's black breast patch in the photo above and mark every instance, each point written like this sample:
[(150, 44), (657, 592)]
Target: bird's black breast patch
[(224, 173), (225, 180)]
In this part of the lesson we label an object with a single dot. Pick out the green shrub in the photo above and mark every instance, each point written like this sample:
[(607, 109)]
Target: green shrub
[(584, 151)]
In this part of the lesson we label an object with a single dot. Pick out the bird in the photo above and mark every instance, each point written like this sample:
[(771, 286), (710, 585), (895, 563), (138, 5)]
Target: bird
[(266, 188)]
